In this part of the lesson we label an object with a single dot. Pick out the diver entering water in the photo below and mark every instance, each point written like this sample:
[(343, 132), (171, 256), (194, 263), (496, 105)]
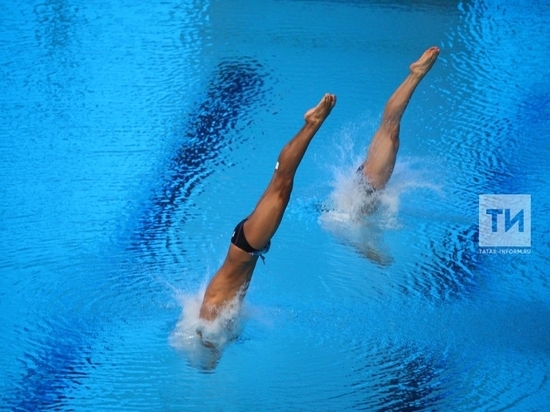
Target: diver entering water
[(378, 166), (252, 236), (365, 195)]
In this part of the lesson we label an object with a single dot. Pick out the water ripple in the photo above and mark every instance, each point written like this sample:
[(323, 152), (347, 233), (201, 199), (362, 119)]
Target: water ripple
[(235, 85)]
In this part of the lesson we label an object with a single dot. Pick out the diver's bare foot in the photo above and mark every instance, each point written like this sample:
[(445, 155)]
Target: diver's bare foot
[(320, 112), (424, 64)]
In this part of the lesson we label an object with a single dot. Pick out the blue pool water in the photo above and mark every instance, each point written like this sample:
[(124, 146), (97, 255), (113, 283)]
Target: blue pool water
[(135, 137)]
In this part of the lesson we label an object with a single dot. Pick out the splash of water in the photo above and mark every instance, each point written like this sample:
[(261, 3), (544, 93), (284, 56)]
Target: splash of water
[(349, 200), (358, 216), (202, 342)]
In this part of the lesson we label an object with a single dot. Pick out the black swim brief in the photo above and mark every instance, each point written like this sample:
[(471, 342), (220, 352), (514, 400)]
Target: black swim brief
[(368, 187), (239, 240)]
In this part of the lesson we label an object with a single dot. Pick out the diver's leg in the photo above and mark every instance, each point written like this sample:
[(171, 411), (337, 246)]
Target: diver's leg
[(380, 161), (233, 277), (266, 217)]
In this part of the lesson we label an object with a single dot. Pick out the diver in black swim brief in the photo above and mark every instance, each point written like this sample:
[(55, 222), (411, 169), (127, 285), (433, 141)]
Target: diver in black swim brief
[(230, 282), (239, 239)]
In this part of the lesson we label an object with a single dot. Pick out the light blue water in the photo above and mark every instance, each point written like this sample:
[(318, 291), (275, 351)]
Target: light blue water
[(134, 138)]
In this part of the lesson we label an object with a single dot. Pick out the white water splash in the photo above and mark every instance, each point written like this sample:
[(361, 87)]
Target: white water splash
[(202, 341), (358, 217)]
